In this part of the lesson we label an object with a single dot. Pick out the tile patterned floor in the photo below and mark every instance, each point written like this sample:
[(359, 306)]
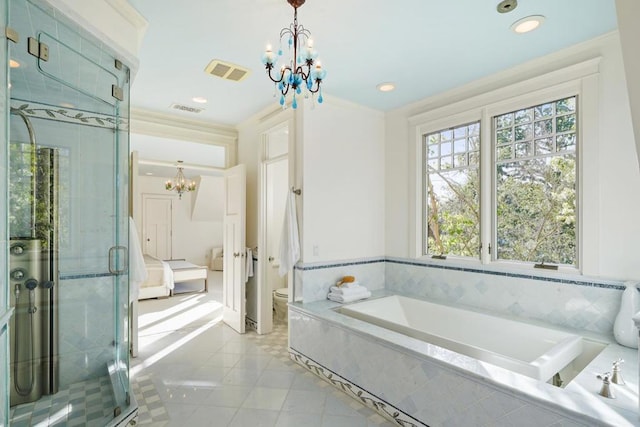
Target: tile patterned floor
[(87, 403), (194, 370)]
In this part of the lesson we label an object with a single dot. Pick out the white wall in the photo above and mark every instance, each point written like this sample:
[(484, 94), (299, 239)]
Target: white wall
[(343, 166), (192, 240), (628, 12), (610, 164)]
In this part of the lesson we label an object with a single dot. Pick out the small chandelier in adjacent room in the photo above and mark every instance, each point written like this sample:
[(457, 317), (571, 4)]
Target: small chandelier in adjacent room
[(180, 183), (300, 69)]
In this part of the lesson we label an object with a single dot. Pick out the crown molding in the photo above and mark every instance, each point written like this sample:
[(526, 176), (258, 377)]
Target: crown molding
[(170, 126)]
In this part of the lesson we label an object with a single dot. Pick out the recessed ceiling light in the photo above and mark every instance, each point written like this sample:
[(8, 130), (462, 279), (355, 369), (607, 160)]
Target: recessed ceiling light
[(528, 23), (199, 99), (149, 173), (386, 87), (13, 63)]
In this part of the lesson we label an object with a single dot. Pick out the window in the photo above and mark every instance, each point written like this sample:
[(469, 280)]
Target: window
[(452, 193), (536, 183), (529, 186)]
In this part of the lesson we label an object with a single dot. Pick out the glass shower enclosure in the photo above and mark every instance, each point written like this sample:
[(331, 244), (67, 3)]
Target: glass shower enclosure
[(66, 156)]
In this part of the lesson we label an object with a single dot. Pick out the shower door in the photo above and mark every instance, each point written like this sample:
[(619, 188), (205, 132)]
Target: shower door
[(68, 222)]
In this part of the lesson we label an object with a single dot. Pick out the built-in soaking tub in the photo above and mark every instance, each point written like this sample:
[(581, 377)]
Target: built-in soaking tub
[(527, 349)]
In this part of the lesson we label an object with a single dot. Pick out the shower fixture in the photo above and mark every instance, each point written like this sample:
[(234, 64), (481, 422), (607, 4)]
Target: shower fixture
[(32, 271)]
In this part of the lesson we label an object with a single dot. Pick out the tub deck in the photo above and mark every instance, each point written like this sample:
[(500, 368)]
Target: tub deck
[(319, 332)]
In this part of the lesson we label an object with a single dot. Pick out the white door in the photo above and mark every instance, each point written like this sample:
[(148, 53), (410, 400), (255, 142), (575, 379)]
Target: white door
[(157, 213), (277, 176), (233, 287)]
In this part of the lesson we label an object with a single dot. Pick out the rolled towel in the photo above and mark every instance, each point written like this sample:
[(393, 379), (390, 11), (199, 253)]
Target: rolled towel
[(348, 298), (347, 291)]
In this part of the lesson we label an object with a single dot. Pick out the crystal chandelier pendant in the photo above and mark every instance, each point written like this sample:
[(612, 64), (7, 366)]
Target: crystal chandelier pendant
[(301, 72)]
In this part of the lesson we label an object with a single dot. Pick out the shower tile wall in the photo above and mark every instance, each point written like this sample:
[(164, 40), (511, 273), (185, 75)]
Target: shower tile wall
[(318, 278), (577, 303), (79, 73), (86, 340)]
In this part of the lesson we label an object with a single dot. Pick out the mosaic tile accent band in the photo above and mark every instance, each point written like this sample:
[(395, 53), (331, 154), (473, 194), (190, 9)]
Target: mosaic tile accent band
[(383, 408), (606, 284)]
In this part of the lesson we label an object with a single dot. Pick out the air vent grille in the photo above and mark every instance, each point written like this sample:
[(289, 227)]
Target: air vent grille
[(186, 108), (226, 70)]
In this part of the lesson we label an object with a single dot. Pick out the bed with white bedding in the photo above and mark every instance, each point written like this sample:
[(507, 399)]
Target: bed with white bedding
[(160, 281), (184, 271)]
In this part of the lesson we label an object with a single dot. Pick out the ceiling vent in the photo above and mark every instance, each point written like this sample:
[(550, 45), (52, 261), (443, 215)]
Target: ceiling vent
[(186, 108), (227, 70)]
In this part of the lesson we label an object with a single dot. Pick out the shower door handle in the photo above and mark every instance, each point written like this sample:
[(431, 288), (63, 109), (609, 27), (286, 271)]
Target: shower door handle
[(113, 260)]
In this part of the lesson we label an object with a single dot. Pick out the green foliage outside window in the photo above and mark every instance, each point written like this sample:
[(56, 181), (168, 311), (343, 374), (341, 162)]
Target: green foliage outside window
[(535, 178)]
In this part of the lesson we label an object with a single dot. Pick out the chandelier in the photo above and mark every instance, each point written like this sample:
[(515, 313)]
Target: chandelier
[(300, 69), (179, 183)]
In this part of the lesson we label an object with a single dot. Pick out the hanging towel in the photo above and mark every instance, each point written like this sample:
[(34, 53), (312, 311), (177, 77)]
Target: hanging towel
[(248, 271), (137, 270), (289, 241)]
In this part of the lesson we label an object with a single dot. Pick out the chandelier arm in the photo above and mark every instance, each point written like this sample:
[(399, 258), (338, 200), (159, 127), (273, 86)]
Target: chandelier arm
[(269, 67)]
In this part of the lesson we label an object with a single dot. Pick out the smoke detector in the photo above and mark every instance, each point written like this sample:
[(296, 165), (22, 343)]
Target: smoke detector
[(227, 70), (186, 108)]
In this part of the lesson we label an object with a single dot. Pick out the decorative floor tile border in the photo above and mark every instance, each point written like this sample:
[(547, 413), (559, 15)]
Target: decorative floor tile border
[(383, 408), (249, 323)]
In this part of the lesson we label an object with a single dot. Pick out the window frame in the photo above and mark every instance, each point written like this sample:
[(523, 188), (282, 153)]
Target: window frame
[(435, 126), (426, 173), (521, 102), (484, 100)]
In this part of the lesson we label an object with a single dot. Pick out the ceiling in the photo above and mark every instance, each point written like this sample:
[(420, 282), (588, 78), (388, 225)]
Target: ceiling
[(423, 46)]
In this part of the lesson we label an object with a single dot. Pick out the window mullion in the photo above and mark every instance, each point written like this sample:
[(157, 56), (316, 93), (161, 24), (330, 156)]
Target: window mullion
[(486, 186)]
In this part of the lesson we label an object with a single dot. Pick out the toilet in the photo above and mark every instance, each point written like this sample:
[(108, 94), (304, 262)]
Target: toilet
[(280, 300)]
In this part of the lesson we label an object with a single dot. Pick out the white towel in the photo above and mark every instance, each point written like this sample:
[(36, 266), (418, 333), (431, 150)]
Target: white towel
[(167, 276), (137, 270), (248, 271), (348, 298), (353, 290), (348, 285), (289, 241)]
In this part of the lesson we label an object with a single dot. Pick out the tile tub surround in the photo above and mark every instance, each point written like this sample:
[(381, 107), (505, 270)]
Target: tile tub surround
[(438, 387), (568, 301), (312, 281)]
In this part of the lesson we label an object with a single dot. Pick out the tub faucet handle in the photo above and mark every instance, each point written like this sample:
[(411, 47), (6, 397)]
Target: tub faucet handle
[(616, 376), (606, 391)]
